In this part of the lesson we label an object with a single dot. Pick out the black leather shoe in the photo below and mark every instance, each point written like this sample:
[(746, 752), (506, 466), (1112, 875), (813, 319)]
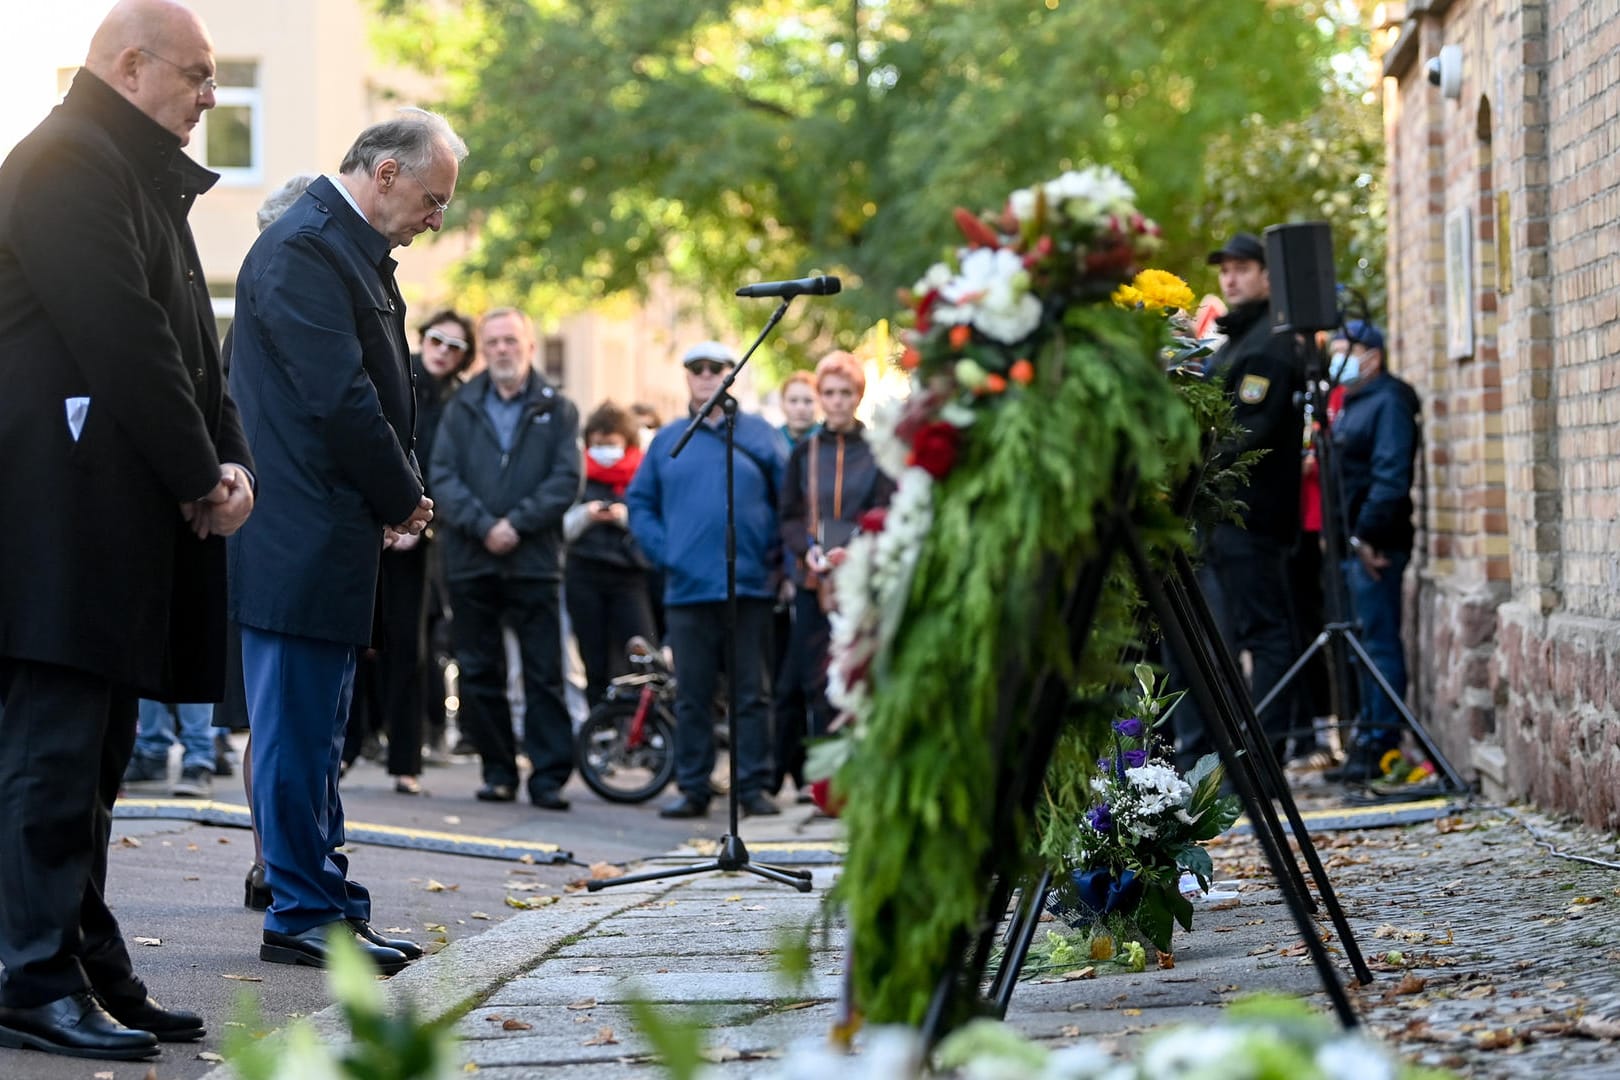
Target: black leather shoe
[(409, 949), (495, 793), (255, 893), (75, 1025), (309, 949), (145, 1014), (548, 800), (757, 806), (1360, 767), (687, 806)]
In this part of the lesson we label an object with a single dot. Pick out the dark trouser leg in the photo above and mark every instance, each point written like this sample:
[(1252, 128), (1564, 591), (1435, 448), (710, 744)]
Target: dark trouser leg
[(298, 692), (548, 730), (753, 749), (587, 598), (404, 577), (696, 634), (790, 711), (1305, 582), (1378, 610), (814, 637), (486, 715), (434, 643), (1254, 578), (66, 740)]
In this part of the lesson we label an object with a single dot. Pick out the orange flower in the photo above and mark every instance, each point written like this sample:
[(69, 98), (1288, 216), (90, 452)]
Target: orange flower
[(994, 384), (1022, 372), (961, 334), (910, 359)]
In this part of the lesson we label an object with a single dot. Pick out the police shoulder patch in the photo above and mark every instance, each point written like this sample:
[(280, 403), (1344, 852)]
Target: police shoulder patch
[(1252, 390)]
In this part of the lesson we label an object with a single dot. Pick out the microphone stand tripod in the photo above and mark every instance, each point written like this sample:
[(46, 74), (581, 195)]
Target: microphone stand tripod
[(1341, 630), (733, 854)]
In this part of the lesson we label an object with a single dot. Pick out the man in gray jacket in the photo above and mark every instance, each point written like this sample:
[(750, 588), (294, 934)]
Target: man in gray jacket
[(506, 468)]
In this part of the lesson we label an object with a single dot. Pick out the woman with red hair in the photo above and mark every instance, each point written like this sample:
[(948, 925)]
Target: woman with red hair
[(832, 479)]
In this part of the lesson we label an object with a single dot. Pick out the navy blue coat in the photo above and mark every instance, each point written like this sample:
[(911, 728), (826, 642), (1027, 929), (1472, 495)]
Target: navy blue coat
[(1376, 437), (678, 510), (320, 368), (102, 297)]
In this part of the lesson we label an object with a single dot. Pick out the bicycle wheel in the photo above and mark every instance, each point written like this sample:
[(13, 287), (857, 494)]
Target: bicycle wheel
[(616, 771)]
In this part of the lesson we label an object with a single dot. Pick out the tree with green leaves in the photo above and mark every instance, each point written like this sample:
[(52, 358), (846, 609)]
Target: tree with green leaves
[(726, 141)]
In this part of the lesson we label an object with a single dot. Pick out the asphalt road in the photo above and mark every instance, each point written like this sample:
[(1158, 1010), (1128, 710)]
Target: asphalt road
[(181, 884)]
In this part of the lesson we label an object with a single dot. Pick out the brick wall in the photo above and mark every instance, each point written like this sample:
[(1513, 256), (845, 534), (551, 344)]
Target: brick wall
[(1514, 600)]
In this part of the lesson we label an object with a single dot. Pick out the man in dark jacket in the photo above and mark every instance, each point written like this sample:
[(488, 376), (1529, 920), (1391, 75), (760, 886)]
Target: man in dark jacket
[(116, 432), (1376, 437), (1245, 574), (677, 515), (506, 468), (320, 366)]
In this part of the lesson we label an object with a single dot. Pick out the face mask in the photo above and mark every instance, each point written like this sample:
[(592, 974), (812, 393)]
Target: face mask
[(606, 456), (1345, 368)]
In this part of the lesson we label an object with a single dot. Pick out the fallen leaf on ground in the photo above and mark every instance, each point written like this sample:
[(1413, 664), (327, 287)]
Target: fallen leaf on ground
[(1598, 1027), (601, 871), (524, 886), (733, 899), (243, 978), (452, 819), (397, 930), (1495, 1040), (154, 941), (1082, 973), (719, 1055), (604, 1037), (434, 928), (478, 915), (582, 1003), (128, 841), (1225, 905), (208, 1055), (191, 847), (1167, 961), (222, 839), (589, 970), (494, 1018), (191, 877), (531, 903), (1409, 984), (1131, 1012), (526, 859), (516, 1025), (104, 1076), (439, 886)]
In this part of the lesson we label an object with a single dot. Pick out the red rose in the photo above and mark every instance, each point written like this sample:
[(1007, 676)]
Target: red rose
[(934, 448), (872, 521)]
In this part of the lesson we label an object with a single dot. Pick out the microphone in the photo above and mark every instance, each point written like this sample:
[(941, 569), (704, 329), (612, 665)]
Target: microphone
[(810, 286)]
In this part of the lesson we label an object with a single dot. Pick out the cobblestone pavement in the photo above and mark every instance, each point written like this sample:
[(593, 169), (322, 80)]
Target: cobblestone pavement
[(1506, 966)]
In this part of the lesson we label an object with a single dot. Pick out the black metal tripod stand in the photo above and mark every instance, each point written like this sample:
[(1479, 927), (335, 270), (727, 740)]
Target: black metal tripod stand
[(1341, 632), (733, 854)]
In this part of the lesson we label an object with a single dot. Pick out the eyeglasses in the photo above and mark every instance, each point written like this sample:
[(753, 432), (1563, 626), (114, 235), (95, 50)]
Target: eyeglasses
[(201, 81), (707, 367), (439, 207), (455, 344)]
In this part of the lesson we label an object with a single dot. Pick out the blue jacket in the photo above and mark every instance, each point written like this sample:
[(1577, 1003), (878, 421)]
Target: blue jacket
[(1376, 437), (320, 369), (678, 511)]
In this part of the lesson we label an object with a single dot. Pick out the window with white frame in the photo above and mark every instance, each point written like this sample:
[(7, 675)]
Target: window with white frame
[(230, 139)]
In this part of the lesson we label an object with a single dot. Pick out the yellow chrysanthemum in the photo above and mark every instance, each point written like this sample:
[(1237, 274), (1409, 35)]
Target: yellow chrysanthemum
[(1387, 763), (1128, 297), (1161, 290)]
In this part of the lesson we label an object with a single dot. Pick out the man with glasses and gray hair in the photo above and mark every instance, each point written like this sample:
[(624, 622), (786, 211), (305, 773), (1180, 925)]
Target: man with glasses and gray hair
[(321, 367), (125, 464)]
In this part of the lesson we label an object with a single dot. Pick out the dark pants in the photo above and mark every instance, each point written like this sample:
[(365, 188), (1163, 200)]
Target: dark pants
[(1311, 688), (697, 634), (805, 666), (533, 609), (1245, 579), (64, 745), (608, 605), (1378, 609), (388, 685), (298, 692)]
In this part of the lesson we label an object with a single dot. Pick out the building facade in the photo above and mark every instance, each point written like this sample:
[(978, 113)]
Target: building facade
[(1504, 285)]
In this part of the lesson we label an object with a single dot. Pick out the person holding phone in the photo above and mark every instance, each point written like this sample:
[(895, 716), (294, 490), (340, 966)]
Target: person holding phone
[(832, 479)]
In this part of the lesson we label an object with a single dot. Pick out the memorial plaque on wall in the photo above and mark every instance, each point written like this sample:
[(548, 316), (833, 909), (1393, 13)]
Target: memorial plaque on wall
[(1459, 284)]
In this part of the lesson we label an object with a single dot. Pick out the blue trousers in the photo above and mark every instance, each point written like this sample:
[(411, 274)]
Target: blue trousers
[(1377, 605), (155, 733), (298, 692)]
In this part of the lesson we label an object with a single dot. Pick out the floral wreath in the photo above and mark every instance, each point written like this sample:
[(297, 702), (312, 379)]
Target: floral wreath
[(1030, 394)]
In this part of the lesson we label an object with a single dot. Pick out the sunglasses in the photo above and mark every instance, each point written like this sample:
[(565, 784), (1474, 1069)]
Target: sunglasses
[(453, 343), (707, 367)]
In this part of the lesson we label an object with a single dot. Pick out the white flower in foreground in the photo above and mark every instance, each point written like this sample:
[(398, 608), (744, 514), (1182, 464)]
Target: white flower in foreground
[(1082, 1061), (1022, 203), (991, 293), (1354, 1057), (1091, 193), (1193, 1054), (937, 277)]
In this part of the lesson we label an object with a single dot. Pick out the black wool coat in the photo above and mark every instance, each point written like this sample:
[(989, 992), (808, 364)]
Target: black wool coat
[(105, 316), (321, 369)]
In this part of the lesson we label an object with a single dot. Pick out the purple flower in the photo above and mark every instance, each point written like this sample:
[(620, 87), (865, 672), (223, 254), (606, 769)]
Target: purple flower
[(1135, 759), (1130, 727), (1100, 818), (1106, 764)]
